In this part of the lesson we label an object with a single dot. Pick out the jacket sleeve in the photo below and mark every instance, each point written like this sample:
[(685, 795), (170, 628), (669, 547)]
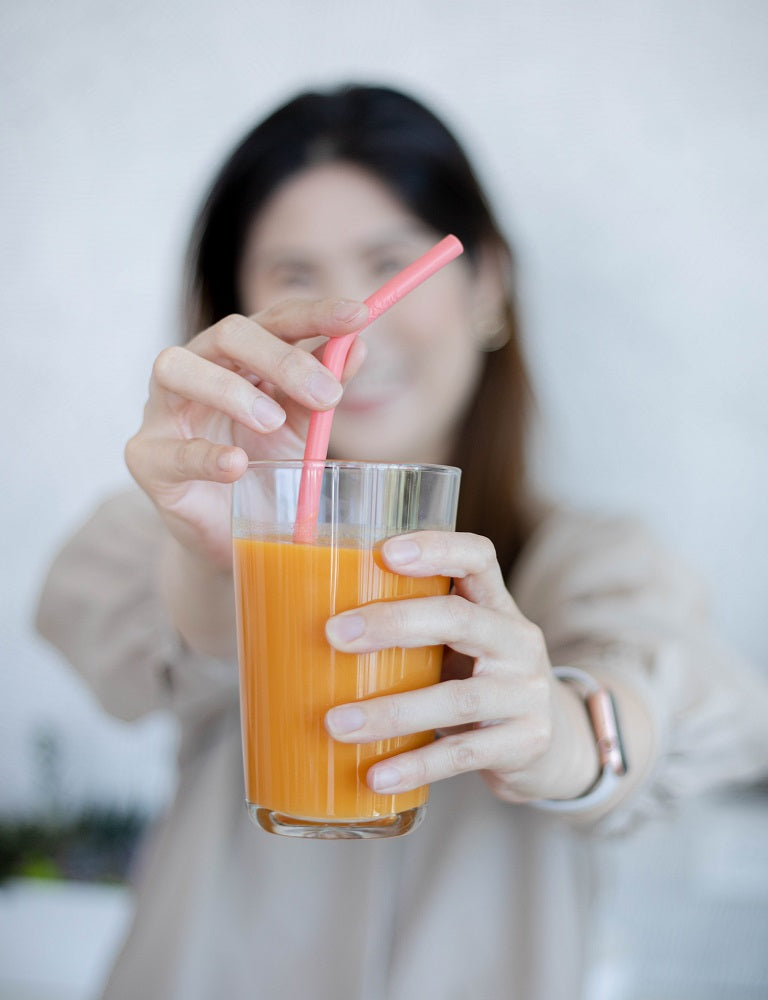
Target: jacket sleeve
[(101, 608), (608, 598)]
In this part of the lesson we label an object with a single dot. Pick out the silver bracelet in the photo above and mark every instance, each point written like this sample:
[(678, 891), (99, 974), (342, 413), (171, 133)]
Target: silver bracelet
[(604, 720)]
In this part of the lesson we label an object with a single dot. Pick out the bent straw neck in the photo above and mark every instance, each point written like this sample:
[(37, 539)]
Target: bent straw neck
[(335, 357)]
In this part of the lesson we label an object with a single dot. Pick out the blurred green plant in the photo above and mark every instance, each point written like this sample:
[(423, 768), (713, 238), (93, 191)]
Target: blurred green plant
[(98, 845)]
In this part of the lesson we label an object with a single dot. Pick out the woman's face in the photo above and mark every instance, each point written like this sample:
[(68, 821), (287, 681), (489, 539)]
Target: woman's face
[(335, 230)]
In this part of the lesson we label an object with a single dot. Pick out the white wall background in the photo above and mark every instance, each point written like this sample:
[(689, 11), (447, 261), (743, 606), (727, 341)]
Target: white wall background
[(626, 144)]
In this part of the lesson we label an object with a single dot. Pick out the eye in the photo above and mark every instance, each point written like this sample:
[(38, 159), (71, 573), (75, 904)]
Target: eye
[(292, 277), (295, 275), (388, 265)]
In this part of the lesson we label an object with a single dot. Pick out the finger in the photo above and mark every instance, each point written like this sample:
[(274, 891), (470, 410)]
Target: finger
[(192, 378), (469, 559), (480, 699), (506, 747), (169, 461), (298, 319), (425, 621), (357, 355), (243, 345), (358, 352)]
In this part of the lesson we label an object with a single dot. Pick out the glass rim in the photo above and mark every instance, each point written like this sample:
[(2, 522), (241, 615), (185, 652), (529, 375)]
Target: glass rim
[(334, 463)]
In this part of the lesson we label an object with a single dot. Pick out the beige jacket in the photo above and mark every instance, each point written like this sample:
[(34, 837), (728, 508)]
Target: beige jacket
[(485, 900)]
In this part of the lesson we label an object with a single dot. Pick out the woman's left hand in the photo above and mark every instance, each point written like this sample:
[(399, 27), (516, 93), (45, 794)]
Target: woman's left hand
[(499, 707)]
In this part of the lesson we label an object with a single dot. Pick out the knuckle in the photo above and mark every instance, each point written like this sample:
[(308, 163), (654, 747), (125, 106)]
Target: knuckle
[(226, 334), (166, 363), (395, 715), (390, 619), (530, 636), (486, 551), (129, 452), (459, 612), (227, 329), (463, 756), (193, 459), (132, 454), (539, 738), (465, 701), (181, 457), (291, 365), (277, 312), (420, 771), (224, 388)]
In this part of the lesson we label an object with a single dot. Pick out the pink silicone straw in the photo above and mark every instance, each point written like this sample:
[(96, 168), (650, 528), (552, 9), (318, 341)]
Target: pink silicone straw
[(335, 357)]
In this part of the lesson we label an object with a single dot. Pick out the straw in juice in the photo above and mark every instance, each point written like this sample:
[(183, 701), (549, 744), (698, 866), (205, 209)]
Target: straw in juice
[(334, 358)]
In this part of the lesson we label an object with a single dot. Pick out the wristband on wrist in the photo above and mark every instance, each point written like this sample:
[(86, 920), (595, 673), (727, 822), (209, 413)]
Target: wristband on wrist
[(603, 718)]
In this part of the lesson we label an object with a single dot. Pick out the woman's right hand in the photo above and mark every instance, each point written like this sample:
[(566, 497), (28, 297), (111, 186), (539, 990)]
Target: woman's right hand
[(241, 390)]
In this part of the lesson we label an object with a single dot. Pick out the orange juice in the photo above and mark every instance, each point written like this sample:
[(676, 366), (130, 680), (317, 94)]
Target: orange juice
[(290, 676)]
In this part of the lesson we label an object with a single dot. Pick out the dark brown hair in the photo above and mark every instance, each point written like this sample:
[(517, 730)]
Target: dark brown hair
[(411, 150)]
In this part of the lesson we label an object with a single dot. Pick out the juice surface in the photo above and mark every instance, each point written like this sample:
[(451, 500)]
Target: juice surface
[(290, 676)]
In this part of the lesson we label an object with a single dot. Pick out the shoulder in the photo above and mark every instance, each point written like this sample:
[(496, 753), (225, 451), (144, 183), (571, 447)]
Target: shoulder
[(563, 532)]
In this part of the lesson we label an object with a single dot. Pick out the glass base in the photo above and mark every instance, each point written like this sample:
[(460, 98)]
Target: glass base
[(352, 829)]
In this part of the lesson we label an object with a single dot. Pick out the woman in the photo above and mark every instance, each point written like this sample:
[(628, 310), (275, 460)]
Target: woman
[(316, 208)]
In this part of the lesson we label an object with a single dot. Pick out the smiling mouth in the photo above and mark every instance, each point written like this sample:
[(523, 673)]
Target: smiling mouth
[(370, 398), (368, 391)]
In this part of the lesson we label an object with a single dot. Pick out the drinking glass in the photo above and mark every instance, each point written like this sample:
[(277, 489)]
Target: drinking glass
[(299, 781)]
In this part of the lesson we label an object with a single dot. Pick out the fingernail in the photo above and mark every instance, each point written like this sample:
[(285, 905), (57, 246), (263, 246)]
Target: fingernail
[(267, 412), (324, 389), (225, 461), (347, 311), (401, 551), (343, 720), (345, 628), (386, 779)]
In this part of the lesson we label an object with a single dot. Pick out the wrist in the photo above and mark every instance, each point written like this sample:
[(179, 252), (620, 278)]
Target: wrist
[(599, 709), (573, 763)]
